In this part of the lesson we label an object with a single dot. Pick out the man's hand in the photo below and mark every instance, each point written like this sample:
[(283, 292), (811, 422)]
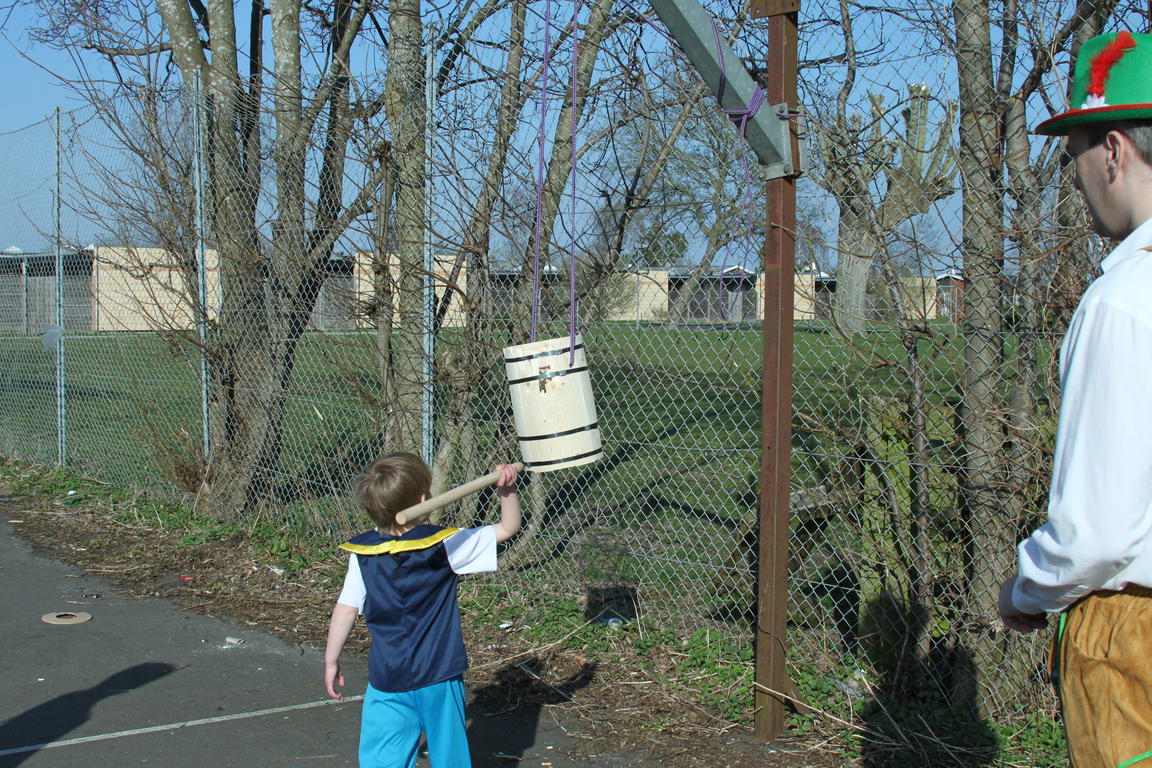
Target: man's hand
[(1013, 618)]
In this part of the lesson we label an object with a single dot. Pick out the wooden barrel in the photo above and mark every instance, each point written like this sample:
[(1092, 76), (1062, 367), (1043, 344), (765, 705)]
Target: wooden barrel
[(552, 401)]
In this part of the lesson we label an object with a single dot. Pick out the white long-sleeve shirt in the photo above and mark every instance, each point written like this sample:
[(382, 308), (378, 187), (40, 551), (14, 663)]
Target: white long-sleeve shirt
[(1099, 529)]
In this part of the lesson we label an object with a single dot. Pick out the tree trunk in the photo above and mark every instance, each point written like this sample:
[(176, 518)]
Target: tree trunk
[(267, 296), (464, 369), (857, 247), (989, 537), (405, 108)]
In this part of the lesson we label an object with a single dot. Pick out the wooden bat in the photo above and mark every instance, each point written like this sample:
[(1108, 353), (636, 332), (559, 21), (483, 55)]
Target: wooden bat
[(428, 506)]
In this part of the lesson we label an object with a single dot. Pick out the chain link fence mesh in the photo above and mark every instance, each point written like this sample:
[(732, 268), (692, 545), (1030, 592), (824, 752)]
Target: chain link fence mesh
[(251, 325)]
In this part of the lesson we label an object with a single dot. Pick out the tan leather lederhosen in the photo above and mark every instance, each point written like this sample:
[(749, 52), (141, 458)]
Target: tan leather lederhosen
[(1102, 669)]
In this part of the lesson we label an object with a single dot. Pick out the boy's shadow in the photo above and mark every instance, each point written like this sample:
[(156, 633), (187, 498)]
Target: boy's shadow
[(506, 713), (54, 719)]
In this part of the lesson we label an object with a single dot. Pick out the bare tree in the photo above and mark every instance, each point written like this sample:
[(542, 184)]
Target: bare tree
[(273, 255), (992, 124), (856, 153)]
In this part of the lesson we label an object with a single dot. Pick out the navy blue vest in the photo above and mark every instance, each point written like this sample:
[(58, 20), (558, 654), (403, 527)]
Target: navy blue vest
[(410, 608)]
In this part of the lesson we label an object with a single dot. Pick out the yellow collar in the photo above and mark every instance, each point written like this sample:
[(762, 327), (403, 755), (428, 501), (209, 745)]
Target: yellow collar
[(400, 545)]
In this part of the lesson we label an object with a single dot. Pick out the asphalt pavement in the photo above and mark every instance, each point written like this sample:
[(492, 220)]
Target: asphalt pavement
[(143, 682)]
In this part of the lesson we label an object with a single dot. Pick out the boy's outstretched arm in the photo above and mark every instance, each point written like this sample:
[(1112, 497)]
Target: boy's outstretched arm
[(343, 616), (509, 503)]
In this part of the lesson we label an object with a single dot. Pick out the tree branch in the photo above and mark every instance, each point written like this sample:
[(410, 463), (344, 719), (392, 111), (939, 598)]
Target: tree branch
[(106, 50), (332, 78)]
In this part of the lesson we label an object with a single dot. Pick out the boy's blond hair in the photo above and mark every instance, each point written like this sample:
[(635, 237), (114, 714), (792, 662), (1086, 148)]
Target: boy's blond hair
[(393, 483)]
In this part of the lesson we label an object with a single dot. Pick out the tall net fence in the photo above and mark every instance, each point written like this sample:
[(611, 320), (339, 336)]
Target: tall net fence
[(257, 298)]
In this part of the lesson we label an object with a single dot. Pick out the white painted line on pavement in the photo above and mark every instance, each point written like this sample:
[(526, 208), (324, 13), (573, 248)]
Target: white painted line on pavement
[(174, 726)]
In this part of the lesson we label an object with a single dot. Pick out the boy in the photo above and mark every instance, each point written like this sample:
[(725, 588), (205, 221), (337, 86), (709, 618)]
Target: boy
[(403, 579)]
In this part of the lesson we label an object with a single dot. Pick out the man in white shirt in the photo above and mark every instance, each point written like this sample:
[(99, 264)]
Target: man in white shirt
[(1091, 562)]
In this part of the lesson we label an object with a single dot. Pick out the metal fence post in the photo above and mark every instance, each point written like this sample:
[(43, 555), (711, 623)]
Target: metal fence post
[(637, 325), (24, 294), (427, 404), (201, 263), (58, 285)]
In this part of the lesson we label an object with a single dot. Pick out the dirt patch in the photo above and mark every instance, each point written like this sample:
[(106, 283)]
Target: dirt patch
[(622, 718)]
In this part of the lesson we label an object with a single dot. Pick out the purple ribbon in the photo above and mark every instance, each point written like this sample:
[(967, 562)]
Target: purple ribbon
[(538, 227), (572, 206)]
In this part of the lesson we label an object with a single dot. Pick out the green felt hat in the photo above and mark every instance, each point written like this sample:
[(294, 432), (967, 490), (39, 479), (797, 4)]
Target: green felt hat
[(1112, 83)]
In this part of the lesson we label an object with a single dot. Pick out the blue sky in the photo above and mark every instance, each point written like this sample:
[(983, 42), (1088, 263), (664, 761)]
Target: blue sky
[(27, 90), (30, 93)]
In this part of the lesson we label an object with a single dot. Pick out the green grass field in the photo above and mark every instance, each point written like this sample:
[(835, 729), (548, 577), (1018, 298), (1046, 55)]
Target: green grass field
[(666, 396), (679, 411)]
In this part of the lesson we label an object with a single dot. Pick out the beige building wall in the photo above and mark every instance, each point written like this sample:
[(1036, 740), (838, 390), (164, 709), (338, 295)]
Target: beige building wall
[(362, 286), (803, 297), (645, 298), (142, 289), (643, 295), (919, 297), (917, 293), (804, 300)]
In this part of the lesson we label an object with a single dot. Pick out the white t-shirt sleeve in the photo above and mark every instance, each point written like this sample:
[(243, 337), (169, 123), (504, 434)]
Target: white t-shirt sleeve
[(473, 550), (354, 592)]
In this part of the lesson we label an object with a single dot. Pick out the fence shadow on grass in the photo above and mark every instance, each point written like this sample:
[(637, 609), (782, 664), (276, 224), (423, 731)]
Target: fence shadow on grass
[(915, 715), (505, 714), (24, 735)]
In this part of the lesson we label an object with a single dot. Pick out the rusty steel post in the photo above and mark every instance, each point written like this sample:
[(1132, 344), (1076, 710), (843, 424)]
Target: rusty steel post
[(776, 430)]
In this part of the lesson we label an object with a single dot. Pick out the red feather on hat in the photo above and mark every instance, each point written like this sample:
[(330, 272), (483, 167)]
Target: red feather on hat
[(1103, 62)]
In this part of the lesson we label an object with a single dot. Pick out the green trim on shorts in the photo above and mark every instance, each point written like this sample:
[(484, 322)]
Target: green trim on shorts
[(1135, 760), (1058, 671), (1058, 658)]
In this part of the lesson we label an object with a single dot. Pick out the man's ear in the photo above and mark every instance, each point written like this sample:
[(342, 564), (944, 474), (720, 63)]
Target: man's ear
[(1118, 150)]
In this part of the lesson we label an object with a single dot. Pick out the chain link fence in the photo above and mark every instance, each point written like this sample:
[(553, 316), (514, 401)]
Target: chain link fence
[(255, 305)]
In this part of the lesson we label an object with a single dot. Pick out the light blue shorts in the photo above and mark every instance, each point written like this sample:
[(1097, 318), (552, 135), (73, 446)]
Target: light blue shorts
[(391, 723)]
